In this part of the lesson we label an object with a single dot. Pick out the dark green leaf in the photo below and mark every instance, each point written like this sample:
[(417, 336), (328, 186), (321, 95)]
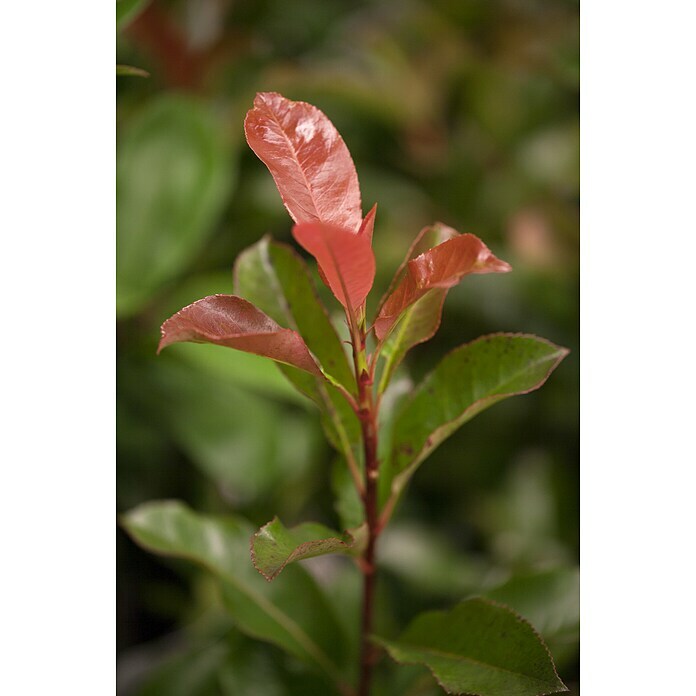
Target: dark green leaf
[(467, 381), (173, 177), (550, 600), (131, 71), (293, 614), (479, 648), (127, 11), (274, 546), (274, 278)]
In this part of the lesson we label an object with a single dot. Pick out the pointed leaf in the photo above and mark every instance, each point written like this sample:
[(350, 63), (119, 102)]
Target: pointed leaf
[(443, 266), (308, 159), (421, 320), (276, 279), (346, 260), (467, 381), (368, 224), (293, 614), (274, 546), (479, 648), (549, 599), (226, 320)]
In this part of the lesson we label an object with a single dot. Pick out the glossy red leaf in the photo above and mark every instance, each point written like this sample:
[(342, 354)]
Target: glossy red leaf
[(345, 259), (227, 320), (443, 266), (368, 224), (308, 159)]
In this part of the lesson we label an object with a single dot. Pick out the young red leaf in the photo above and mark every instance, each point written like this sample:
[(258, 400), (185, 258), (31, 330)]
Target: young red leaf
[(443, 266), (308, 160), (345, 260), (368, 224), (227, 320)]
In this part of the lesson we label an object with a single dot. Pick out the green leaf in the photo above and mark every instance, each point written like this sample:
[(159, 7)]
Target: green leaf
[(550, 600), (467, 381), (479, 648), (276, 279), (173, 178), (293, 614), (274, 546), (127, 11), (417, 325), (131, 71)]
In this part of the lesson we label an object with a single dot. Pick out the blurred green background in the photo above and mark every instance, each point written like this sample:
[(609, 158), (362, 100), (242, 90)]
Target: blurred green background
[(464, 111)]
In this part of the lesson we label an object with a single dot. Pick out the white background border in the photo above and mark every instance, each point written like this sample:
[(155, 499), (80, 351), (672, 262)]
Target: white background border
[(57, 389)]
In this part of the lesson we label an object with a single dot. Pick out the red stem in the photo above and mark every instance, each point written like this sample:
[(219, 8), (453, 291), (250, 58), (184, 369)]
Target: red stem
[(367, 413)]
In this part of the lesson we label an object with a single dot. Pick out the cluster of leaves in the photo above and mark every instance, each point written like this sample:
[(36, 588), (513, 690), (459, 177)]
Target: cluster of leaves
[(277, 314)]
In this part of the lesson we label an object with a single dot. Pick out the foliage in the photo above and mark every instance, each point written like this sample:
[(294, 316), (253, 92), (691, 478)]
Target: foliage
[(212, 426), (478, 648)]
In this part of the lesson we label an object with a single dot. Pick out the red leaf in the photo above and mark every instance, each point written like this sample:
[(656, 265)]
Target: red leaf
[(443, 266), (345, 260), (308, 159), (368, 224), (227, 320)]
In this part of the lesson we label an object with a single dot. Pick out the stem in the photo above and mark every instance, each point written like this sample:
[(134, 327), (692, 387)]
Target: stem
[(367, 412)]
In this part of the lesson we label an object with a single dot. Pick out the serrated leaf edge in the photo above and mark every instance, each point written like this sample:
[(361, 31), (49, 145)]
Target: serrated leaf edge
[(274, 612), (352, 546), (517, 617), (432, 441)]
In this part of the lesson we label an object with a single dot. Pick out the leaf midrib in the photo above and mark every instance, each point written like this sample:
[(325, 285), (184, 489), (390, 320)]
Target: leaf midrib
[(278, 615), (465, 658)]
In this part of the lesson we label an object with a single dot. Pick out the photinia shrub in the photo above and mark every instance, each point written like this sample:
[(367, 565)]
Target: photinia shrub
[(477, 647)]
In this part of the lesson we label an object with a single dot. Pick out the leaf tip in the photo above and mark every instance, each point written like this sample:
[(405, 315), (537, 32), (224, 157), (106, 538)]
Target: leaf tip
[(261, 532)]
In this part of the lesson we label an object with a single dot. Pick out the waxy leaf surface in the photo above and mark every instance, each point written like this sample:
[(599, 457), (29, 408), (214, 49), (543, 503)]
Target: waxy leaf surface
[(308, 160), (276, 279), (419, 322), (467, 381), (226, 320), (274, 546), (479, 648), (345, 259), (293, 614), (443, 266)]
